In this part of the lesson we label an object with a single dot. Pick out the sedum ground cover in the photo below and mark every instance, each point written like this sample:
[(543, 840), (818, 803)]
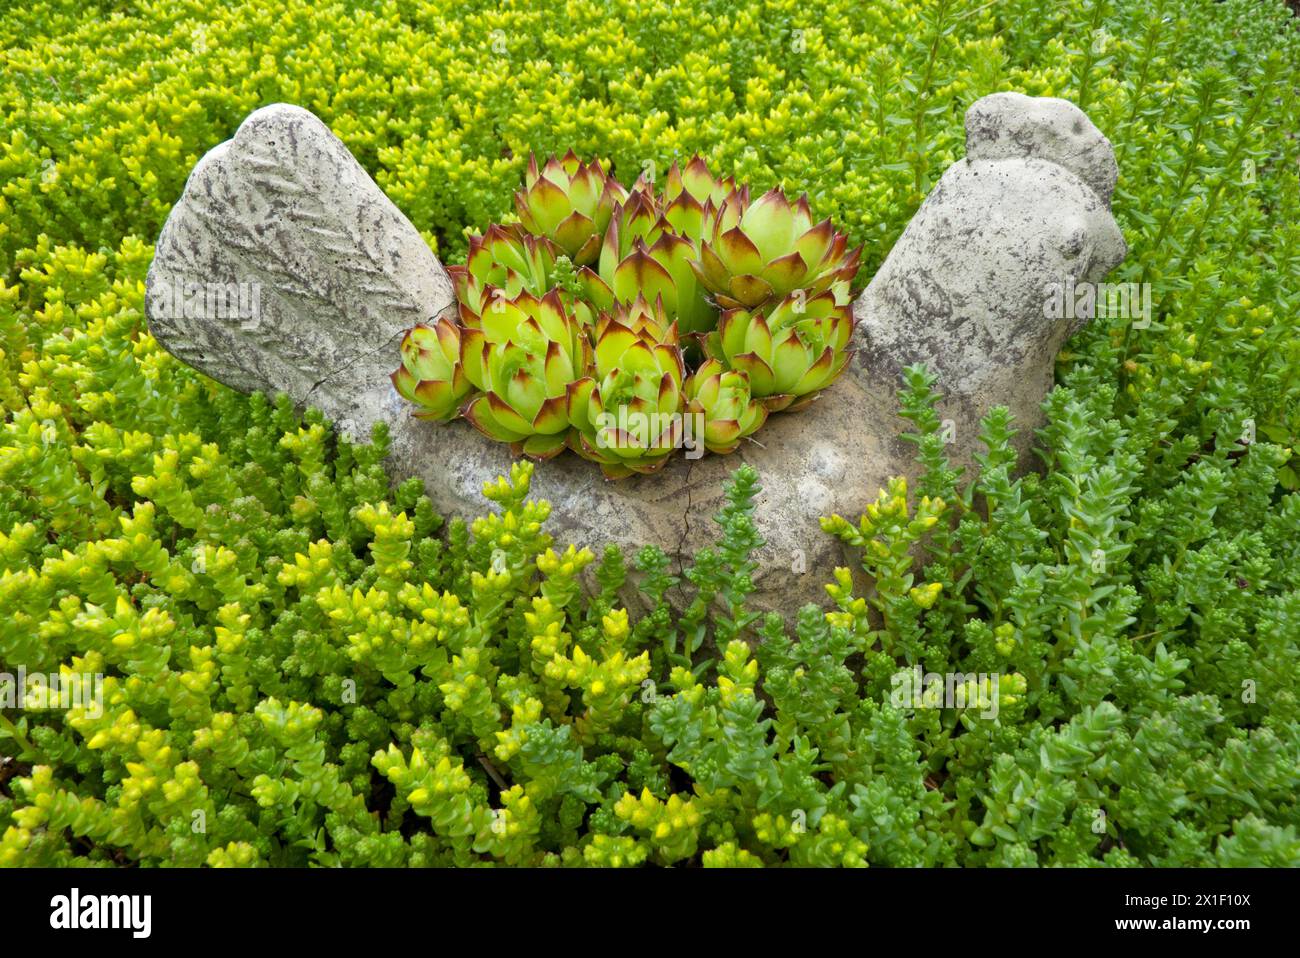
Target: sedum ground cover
[(305, 665)]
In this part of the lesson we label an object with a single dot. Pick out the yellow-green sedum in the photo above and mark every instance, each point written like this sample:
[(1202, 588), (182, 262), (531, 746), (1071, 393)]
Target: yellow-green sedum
[(301, 665)]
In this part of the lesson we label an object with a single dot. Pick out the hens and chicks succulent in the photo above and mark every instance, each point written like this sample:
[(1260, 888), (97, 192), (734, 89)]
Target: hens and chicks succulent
[(624, 325)]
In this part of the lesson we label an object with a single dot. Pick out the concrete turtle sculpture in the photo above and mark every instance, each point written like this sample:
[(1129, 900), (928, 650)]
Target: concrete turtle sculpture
[(325, 275)]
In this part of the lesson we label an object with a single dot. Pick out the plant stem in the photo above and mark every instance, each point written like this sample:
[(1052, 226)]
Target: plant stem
[(29, 750)]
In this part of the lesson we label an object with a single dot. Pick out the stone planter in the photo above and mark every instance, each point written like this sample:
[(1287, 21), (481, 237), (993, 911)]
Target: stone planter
[(285, 214)]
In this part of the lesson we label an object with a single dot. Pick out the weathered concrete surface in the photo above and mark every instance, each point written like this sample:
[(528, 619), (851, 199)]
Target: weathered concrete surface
[(339, 270), (963, 289), (343, 273)]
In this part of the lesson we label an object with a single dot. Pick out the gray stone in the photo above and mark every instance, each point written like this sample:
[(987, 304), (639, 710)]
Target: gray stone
[(964, 288), (343, 273), (1005, 126), (330, 271)]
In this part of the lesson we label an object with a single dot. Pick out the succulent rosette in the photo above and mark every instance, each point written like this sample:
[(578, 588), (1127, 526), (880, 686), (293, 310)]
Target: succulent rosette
[(722, 398), (638, 218), (569, 202), (502, 263), (627, 417), (755, 253), (791, 352), (650, 322), (660, 271), (431, 375), (523, 358), (635, 222), (643, 254), (698, 184), (693, 197)]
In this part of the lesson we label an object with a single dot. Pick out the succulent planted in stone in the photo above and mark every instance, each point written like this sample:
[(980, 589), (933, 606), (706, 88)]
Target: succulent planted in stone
[(755, 253), (722, 398), (431, 375), (627, 414), (570, 202), (502, 263), (579, 325), (790, 354), (522, 360)]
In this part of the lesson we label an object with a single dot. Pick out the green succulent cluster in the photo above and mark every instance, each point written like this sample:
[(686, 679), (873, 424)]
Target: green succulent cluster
[(577, 327)]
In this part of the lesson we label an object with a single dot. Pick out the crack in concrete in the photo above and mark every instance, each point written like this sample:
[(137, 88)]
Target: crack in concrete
[(686, 523), (360, 357)]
